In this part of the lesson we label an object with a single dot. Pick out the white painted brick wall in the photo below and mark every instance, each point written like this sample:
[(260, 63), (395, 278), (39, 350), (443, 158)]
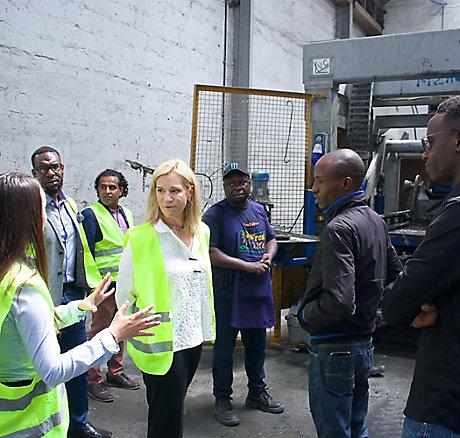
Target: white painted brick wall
[(102, 82)]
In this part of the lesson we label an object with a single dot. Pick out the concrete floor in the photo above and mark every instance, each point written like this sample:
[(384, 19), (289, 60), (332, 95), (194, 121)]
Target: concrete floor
[(287, 379)]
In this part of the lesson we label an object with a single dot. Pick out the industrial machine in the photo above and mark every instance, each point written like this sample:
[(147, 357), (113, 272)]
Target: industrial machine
[(405, 70), (406, 73)]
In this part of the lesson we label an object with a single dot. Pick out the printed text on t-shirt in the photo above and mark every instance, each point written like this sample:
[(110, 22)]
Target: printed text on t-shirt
[(252, 242)]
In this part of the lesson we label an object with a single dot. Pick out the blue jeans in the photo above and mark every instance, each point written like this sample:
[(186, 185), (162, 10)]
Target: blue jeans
[(414, 429), (254, 341), (338, 388), (77, 388)]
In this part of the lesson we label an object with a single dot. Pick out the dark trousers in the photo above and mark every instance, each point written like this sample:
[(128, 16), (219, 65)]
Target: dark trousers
[(77, 388), (254, 342), (166, 394)]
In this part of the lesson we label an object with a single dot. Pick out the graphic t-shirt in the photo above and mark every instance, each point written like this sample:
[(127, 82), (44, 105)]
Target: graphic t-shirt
[(242, 234)]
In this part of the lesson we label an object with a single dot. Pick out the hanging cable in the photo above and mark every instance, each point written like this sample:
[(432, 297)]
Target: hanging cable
[(285, 158)]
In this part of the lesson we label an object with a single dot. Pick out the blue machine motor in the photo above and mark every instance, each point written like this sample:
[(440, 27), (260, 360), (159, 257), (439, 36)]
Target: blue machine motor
[(260, 192)]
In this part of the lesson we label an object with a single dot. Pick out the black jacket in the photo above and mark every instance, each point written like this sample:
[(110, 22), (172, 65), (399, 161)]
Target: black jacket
[(354, 261), (433, 275)]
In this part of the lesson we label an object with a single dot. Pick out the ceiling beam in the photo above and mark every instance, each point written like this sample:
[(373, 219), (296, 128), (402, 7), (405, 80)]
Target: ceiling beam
[(365, 20), (361, 17)]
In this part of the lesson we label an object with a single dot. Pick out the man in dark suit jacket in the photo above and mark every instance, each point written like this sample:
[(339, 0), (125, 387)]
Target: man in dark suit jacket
[(66, 246)]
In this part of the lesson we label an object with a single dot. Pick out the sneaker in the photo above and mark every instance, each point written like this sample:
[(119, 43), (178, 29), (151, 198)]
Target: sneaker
[(99, 392), (223, 411), (264, 402), (121, 381)]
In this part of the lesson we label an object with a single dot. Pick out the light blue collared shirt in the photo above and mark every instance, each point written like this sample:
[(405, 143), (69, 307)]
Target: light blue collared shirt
[(28, 334), (68, 234)]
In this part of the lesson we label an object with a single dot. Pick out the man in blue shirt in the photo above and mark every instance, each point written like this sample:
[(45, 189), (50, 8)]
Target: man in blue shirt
[(242, 247), (66, 275)]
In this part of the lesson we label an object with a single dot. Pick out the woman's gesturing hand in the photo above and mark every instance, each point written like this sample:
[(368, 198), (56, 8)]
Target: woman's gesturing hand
[(98, 295), (125, 327)]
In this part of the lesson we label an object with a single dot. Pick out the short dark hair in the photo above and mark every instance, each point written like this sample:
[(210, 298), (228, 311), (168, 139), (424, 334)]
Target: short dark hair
[(42, 150), (451, 109), (122, 181)]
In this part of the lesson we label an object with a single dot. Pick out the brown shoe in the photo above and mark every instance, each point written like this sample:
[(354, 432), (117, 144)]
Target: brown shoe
[(121, 381), (99, 392)]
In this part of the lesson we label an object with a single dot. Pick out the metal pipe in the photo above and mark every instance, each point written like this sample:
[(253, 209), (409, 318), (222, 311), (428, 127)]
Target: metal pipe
[(404, 146)]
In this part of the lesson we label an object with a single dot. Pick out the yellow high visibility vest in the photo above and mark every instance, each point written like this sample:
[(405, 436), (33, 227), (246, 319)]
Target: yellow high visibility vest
[(154, 354), (93, 277), (107, 252), (35, 410)]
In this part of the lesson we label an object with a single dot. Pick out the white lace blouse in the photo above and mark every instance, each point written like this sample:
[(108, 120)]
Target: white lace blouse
[(191, 312)]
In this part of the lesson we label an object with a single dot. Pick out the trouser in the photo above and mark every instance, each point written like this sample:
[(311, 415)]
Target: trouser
[(101, 320), (338, 388), (166, 394), (70, 337), (254, 342), (414, 429)]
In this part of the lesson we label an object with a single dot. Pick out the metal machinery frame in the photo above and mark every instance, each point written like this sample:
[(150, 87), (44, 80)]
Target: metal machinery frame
[(396, 67), (400, 57), (388, 70)]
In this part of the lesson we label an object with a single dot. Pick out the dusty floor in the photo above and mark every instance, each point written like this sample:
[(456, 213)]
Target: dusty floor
[(287, 379)]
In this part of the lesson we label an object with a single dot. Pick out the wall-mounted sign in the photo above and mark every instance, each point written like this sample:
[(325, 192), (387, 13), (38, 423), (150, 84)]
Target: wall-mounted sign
[(321, 66)]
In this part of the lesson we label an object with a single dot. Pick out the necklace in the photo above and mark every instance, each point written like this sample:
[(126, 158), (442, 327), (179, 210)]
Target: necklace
[(176, 228)]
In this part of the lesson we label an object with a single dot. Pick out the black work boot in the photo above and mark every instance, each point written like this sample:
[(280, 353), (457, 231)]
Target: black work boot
[(264, 402), (223, 411)]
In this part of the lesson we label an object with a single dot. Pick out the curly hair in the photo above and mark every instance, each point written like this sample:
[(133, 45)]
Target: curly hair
[(122, 181), (451, 109)]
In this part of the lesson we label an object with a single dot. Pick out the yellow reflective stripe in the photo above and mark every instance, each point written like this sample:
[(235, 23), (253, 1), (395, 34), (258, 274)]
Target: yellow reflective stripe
[(20, 404), (104, 271), (164, 316), (107, 252), (40, 429), (156, 347)]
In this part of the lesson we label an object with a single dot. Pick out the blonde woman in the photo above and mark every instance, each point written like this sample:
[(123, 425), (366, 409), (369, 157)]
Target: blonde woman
[(166, 264)]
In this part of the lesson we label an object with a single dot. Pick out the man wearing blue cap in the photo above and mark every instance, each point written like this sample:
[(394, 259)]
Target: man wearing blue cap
[(242, 247)]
